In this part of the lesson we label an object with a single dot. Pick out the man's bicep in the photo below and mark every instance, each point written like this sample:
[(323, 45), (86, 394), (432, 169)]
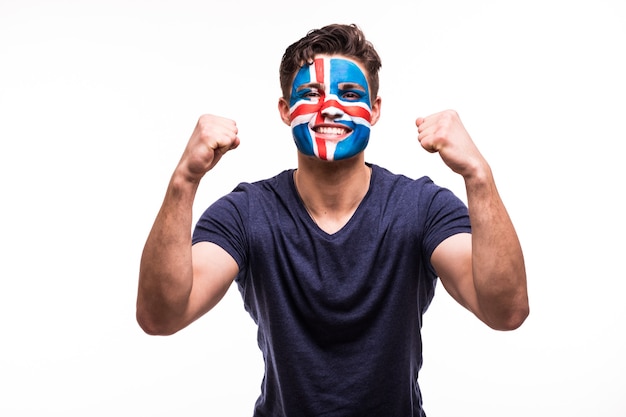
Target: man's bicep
[(214, 270), (452, 260)]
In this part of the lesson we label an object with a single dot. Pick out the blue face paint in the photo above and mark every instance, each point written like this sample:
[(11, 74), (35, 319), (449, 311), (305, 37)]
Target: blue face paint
[(330, 109)]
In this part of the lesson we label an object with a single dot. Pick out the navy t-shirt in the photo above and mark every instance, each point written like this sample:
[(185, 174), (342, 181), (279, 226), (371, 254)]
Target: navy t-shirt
[(339, 315)]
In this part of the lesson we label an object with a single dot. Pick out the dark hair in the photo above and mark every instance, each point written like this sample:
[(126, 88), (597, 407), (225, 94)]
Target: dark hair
[(347, 40)]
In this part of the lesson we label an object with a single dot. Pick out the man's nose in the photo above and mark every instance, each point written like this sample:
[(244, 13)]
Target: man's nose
[(331, 111)]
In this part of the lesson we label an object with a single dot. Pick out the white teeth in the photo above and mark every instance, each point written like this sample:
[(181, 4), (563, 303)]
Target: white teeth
[(330, 130)]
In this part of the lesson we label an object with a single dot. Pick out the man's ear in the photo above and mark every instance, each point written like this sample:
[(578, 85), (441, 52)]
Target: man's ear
[(376, 110), (283, 108)]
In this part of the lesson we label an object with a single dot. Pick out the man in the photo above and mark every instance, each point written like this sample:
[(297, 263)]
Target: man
[(336, 260)]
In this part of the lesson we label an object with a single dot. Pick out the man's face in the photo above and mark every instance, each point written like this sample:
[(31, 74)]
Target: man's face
[(330, 109)]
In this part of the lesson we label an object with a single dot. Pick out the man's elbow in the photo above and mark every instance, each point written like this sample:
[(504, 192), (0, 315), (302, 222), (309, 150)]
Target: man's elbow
[(512, 320), (153, 326)]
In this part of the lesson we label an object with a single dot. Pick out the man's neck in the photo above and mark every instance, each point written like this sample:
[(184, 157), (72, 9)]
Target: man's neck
[(332, 191)]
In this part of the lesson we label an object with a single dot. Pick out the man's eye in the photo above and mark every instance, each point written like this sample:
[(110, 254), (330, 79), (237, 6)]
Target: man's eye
[(308, 94), (351, 95)]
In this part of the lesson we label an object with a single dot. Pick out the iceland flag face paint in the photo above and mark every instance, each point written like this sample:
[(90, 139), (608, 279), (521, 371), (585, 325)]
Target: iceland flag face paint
[(330, 109)]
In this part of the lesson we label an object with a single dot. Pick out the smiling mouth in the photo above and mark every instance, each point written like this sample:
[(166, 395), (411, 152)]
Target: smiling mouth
[(331, 132)]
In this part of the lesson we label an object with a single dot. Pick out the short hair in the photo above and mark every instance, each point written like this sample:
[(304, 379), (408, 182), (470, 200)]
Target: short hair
[(334, 39)]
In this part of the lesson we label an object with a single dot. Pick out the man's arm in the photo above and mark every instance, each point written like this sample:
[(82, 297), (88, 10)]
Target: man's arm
[(483, 271), (177, 282)]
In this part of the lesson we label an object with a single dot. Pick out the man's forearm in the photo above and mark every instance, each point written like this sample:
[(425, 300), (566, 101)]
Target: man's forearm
[(497, 258), (165, 276)]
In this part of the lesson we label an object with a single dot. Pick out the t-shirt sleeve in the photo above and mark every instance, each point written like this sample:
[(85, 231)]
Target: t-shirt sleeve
[(446, 216), (222, 223)]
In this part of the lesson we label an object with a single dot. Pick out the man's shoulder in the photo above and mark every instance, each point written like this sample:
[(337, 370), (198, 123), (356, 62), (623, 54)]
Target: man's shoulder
[(279, 180), (278, 184), (385, 177), (265, 192)]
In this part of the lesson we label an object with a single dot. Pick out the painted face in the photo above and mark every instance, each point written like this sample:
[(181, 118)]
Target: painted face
[(330, 109)]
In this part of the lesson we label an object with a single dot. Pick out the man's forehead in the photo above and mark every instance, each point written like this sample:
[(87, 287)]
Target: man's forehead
[(341, 58), (330, 69)]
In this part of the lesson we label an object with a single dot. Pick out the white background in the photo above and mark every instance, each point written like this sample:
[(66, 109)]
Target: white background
[(98, 99)]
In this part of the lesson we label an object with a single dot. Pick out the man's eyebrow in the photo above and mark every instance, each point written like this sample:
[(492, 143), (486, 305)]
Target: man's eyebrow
[(318, 86), (351, 86)]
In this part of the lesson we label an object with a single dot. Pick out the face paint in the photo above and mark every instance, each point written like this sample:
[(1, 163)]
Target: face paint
[(330, 109)]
